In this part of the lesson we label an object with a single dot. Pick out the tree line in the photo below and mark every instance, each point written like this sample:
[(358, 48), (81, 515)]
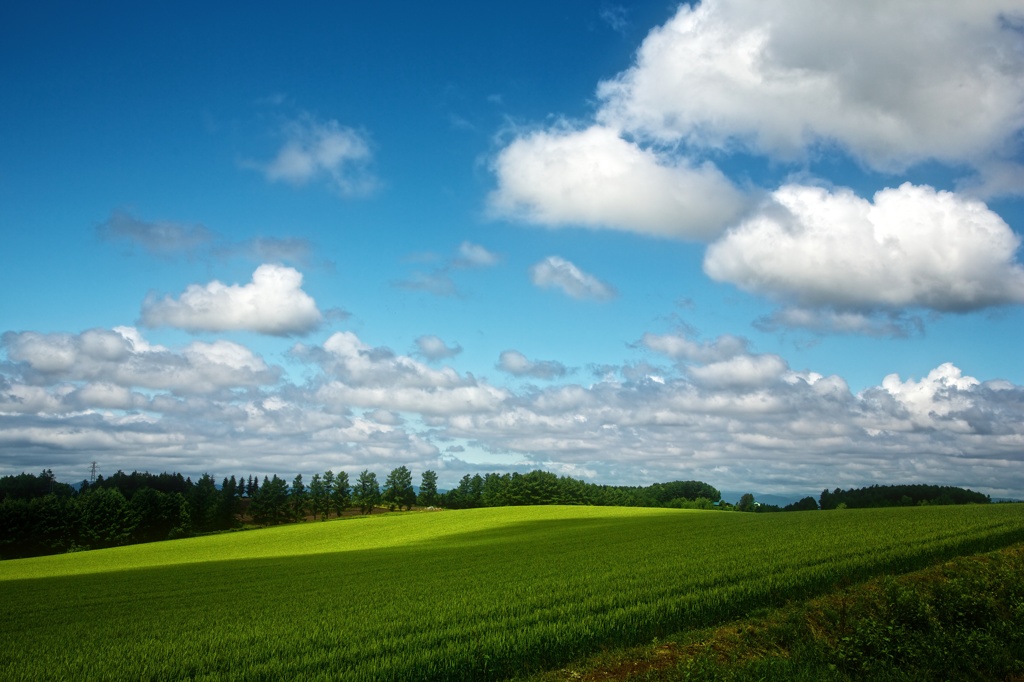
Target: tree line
[(899, 496), (910, 495), (40, 515), (543, 487)]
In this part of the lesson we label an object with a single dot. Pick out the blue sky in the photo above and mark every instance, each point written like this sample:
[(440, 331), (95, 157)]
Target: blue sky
[(774, 246)]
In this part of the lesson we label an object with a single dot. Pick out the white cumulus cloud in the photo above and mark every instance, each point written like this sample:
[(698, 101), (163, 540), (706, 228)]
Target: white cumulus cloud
[(892, 83), (103, 362), (944, 391), (910, 246), (359, 375), (595, 178), (556, 272), (272, 303)]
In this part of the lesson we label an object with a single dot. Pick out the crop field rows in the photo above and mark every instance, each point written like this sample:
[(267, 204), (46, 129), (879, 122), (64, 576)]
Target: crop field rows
[(456, 595)]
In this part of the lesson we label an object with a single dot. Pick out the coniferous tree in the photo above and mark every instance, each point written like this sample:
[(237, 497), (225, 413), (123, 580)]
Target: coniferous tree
[(148, 507), (26, 486), (270, 505), (228, 504), (257, 508), (160, 516), (341, 498), (806, 504), (366, 492), (203, 498), (328, 492), (494, 490), (299, 498), (428, 489), (318, 497), (398, 490)]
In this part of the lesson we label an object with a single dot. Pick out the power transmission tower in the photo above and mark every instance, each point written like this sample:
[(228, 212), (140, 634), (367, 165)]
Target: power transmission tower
[(92, 473)]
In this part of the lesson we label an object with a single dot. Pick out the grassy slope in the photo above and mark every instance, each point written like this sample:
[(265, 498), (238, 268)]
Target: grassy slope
[(451, 595), (958, 620)]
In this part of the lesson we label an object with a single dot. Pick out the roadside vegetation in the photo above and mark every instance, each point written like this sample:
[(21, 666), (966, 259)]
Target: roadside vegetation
[(506, 593)]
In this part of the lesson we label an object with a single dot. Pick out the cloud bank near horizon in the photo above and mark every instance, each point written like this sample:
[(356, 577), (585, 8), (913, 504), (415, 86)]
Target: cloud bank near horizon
[(717, 412)]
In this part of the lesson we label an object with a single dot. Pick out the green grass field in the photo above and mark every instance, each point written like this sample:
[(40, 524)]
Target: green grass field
[(454, 595)]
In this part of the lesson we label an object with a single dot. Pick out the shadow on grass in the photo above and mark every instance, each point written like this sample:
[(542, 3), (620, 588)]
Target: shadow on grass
[(427, 610)]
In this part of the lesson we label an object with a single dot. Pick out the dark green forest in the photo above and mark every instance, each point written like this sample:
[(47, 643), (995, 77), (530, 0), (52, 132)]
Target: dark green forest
[(899, 496), (40, 515)]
